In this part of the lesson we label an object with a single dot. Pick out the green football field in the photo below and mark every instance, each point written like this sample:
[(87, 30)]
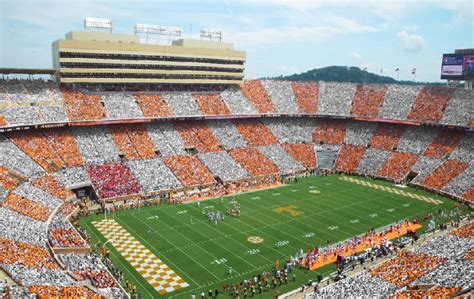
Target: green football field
[(284, 220)]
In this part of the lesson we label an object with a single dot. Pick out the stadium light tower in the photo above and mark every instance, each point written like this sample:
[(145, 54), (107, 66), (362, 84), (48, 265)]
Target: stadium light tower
[(148, 34), (211, 34), (169, 34), (97, 24)]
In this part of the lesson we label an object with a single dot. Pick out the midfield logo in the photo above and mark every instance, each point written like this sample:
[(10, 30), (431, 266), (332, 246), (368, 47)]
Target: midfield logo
[(288, 209)]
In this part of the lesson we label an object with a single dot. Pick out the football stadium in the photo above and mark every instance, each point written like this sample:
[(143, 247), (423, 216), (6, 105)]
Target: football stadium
[(157, 170)]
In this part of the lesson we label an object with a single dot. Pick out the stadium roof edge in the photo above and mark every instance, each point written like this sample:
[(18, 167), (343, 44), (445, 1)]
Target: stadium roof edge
[(6, 70)]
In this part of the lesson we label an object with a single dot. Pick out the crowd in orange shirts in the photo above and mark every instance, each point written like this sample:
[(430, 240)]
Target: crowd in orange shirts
[(444, 173), (349, 157), (254, 132), (62, 237), (253, 161), (469, 195), (306, 95), (466, 231), (65, 145), (258, 96), (100, 279), (79, 106), (26, 207), (36, 145), (444, 144), (50, 185), (397, 166), (7, 180), (406, 267), (330, 132), (368, 100), (133, 141), (436, 292), (189, 170), (153, 105), (47, 291), (386, 136), (211, 104), (301, 152), (24, 254), (198, 135), (430, 103)]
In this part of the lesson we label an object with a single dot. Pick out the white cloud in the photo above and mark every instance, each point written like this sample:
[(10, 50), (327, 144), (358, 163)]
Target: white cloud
[(355, 56), (411, 42)]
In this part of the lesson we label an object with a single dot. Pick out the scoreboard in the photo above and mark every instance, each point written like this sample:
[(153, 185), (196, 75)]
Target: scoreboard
[(457, 67)]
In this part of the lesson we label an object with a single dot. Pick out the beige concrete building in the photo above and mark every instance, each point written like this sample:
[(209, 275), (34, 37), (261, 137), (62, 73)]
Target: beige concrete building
[(96, 57)]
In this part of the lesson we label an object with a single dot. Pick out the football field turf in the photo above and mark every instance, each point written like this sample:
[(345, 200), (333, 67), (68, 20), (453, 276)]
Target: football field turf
[(194, 254)]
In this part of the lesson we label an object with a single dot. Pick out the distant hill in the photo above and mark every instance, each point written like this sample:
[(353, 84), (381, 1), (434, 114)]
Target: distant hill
[(346, 74)]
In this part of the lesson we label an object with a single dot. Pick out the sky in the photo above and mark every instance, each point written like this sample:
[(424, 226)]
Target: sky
[(281, 37)]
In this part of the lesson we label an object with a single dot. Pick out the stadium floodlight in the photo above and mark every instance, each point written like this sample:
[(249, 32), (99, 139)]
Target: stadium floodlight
[(211, 34), (97, 24), (153, 34)]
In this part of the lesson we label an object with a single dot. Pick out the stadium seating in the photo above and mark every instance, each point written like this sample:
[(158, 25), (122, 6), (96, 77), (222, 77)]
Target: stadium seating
[(182, 104), (197, 135), (211, 104), (113, 180), (285, 163), (359, 133), (153, 105), (415, 103), (290, 130), (397, 166), (223, 166), (65, 145), (329, 132), (121, 106), (258, 96), (49, 291), (237, 103), (349, 157), (430, 104), (189, 170), (79, 106), (153, 175), (335, 98), (368, 100), (387, 136), (254, 132), (371, 161), (7, 180), (26, 207), (25, 254), (459, 109), (406, 267), (281, 95), (227, 134), (306, 95), (166, 139), (398, 101), (443, 174), (304, 153), (36, 145), (133, 141), (253, 161), (444, 144)]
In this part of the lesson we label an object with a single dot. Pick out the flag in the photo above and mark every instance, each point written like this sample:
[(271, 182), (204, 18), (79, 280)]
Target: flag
[(397, 69), (413, 71)]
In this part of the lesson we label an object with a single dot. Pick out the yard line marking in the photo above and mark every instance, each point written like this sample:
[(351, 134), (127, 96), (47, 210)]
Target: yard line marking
[(163, 279), (392, 190)]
